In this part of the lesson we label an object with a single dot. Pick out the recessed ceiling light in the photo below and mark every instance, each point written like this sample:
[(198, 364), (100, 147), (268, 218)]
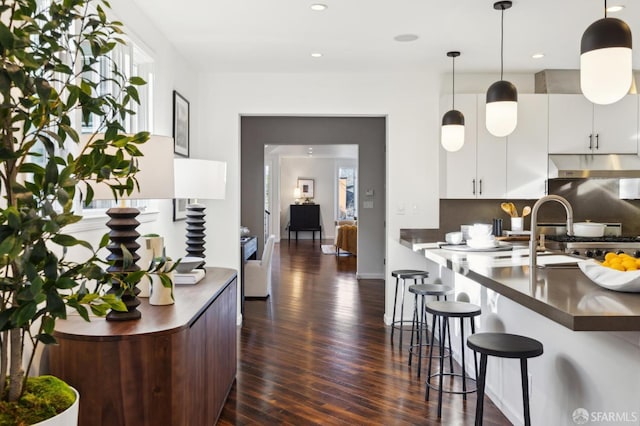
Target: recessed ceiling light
[(319, 7), (616, 8), (537, 55), (406, 37), (316, 55)]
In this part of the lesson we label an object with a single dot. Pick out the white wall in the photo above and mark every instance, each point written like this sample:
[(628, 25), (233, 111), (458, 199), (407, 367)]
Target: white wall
[(410, 102)]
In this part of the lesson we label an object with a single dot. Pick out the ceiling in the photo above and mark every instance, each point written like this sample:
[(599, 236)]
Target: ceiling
[(358, 35)]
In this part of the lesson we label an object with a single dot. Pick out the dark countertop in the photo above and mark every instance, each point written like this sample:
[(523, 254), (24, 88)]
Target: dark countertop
[(564, 295)]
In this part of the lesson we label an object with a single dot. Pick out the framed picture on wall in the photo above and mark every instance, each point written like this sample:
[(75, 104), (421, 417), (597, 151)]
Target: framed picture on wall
[(180, 208), (180, 124), (306, 188)]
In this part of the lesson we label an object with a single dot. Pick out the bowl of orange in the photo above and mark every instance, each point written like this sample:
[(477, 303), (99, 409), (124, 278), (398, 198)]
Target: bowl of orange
[(619, 272)]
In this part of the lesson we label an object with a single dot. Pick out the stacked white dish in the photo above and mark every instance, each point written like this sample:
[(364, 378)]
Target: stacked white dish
[(481, 237)]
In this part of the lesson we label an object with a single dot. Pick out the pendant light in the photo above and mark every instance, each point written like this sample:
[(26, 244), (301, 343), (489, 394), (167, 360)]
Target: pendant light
[(452, 134), (606, 60), (502, 96)]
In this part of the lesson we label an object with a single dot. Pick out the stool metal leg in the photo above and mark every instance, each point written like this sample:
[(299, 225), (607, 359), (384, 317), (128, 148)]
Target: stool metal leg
[(395, 303), (525, 391), (464, 371), (475, 354), (481, 381), (441, 376), (433, 334), (415, 324), (421, 323), (404, 282), (450, 352)]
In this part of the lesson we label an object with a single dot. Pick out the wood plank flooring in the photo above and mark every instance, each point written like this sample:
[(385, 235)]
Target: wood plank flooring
[(317, 352)]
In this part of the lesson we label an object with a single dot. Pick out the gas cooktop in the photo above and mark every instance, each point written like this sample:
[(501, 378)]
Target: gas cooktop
[(605, 239)]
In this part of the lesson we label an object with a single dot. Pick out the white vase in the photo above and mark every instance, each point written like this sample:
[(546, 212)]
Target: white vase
[(150, 247), (161, 295), (68, 417)]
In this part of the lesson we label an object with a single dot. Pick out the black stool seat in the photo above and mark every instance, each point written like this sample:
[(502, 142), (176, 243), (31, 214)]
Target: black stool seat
[(410, 274), (453, 309), (401, 275), (505, 345), (430, 289)]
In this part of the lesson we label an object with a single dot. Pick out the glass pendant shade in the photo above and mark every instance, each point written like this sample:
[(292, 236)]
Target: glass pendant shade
[(502, 108), (606, 61), (452, 131)]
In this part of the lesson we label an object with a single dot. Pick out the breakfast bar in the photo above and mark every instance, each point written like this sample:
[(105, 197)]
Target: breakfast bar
[(591, 335)]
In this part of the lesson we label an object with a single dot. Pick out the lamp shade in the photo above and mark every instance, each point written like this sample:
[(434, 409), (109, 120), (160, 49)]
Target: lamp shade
[(201, 179), (606, 61), (452, 132), (297, 193), (502, 108), (157, 155)]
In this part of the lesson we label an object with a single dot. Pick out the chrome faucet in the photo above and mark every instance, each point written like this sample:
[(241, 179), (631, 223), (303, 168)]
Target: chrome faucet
[(533, 243)]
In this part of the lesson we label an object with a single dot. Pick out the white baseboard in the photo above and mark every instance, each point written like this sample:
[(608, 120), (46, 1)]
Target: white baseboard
[(370, 276)]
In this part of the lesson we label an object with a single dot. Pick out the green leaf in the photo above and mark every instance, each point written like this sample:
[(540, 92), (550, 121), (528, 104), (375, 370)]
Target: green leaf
[(138, 81), (47, 339), (6, 37), (25, 313), (7, 245)]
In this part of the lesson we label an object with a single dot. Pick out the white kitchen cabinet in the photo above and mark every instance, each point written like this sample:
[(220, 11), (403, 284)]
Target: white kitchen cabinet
[(478, 169), (491, 165), (576, 126), (527, 152), (460, 166)]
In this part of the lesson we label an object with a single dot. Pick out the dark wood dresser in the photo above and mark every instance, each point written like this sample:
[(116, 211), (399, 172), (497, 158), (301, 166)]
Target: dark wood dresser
[(175, 366), (304, 217)]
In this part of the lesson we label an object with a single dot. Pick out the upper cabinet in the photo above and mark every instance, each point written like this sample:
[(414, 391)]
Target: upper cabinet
[(527, 149), (460, 166), (492, 167), (576, 126)]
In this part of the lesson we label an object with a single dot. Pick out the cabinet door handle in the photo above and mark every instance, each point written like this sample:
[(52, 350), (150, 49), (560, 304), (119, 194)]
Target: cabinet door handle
[(597, 140), (591, 141), (480, 186), (473, 191)]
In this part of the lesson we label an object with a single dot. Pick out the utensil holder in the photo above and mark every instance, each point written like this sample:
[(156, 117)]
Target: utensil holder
[(517, 224)]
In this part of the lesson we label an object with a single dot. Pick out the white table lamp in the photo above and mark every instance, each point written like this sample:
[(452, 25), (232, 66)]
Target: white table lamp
[(152, 184), (198, 179)]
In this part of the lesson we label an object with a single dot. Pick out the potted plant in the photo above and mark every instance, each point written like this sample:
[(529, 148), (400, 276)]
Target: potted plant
[(51, 75)]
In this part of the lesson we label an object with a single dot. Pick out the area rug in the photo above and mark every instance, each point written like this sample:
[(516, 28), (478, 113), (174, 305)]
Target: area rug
[(331, 249)]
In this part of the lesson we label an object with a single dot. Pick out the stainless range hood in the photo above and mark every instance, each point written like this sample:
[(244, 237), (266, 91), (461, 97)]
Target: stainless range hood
[(594, 166)]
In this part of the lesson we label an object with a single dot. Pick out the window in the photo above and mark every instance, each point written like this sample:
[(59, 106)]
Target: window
[(347, 207)]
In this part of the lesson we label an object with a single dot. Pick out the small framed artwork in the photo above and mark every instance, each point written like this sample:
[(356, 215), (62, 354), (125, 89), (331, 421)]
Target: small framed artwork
[(180, 124), (306, 187), (180, 208)]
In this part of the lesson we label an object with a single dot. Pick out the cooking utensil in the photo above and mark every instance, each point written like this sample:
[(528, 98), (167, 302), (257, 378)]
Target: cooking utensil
[(588, 229), (506, 207), (526, 210), (514, 210)]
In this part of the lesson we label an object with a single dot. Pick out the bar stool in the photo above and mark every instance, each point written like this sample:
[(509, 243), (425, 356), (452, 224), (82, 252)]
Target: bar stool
[(504, 345), (419, 323), (401, 276), (448, 310)]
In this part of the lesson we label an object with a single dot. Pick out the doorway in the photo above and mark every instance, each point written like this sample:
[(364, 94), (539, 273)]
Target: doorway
[(368, 133)]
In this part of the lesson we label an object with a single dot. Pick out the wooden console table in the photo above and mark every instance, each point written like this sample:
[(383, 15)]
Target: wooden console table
[(175, 366), (305, 217)]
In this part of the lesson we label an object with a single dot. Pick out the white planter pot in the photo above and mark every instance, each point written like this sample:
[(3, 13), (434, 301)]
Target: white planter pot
[(161, 295), (150, 247), (68, 417)]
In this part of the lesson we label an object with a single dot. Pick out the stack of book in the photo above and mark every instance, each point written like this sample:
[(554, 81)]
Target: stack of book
[(188, 278)]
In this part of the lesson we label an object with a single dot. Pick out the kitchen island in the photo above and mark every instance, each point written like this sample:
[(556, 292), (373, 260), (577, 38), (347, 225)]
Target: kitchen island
[(590, 334)]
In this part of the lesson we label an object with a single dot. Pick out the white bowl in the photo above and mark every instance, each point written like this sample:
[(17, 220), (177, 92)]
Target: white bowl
[(453, 237), (627, 281), (481, 231)]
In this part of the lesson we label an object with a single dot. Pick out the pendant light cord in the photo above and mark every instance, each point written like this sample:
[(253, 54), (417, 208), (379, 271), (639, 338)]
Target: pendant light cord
[(453, 83), (502, 43), (605, 8)]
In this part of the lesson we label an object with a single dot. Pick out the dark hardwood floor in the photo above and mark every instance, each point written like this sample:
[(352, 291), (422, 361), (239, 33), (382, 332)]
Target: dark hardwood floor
[(317, 352)]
